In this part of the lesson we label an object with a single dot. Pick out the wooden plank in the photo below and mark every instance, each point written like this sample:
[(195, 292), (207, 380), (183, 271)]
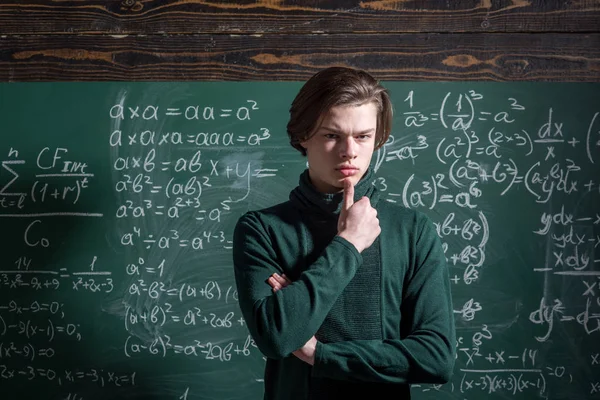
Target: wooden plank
[(498, 57), (292, 16)]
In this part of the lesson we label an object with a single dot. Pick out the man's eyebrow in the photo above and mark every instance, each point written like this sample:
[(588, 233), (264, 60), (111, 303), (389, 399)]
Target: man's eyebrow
[(339, 131)]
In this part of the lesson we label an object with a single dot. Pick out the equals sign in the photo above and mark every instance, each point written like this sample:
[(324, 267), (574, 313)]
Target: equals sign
[(225, 112), (165, 163), (241, 138), (64, 275), (155, 189), (175, 318), (434, 117), (151, 270), (228, 247), (183, 242), (173, 111), (260, 173), (484, 113)]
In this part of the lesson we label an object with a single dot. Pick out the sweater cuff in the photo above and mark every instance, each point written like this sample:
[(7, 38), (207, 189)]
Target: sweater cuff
[(350, 247), (320, 360)]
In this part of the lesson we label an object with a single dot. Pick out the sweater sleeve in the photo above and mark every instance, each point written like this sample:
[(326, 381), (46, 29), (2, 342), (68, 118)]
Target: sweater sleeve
[(284, 321), (426, 353)]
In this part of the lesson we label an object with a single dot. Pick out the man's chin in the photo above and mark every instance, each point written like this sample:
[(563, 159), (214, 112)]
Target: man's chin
[(353, 180)]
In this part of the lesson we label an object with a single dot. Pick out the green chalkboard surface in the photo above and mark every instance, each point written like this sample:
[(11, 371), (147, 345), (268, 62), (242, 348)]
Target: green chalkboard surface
[(118, 201)]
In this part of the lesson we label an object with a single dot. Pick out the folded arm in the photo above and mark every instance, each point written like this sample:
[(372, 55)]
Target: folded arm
[(426, 351), (283, 321)]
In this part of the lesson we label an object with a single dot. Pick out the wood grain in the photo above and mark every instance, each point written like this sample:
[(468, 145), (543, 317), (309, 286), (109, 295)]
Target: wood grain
[(293, 16), (490, 57)]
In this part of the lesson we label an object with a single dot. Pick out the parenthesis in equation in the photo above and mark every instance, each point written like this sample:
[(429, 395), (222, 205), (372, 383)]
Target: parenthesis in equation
[(162, 343), (442, 110), (513, 178), (452, 178), (51, 329), (32, 351), (589, 133), (4, 325), (218, 290), (486, 230), (164, 321), (543, 388), (529, 189), (462, 381), (437, 151), (78, 191), (125, 347), (167, 188), (518, 384), (434, 201), (468, 125), (481, 259), (27, 329), (530, 142), (127, 311), (181, 292), (469, 142), (405, 189), (33, 190)]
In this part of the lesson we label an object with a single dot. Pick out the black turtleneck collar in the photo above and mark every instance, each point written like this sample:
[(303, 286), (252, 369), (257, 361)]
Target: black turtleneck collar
[(307, 198)]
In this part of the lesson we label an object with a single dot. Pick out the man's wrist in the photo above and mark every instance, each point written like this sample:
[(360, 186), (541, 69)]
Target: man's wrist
[(344, 236)]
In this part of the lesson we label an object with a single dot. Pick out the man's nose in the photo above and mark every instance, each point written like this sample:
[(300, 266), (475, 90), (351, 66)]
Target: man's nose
[(348, 148)]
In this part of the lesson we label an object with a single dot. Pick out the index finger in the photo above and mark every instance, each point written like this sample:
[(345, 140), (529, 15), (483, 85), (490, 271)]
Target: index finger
[(348, 195)]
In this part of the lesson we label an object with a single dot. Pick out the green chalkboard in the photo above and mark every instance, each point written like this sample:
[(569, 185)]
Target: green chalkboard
[(118, 201)]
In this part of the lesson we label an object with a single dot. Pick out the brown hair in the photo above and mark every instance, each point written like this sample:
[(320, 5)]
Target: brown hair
[(337, 86)]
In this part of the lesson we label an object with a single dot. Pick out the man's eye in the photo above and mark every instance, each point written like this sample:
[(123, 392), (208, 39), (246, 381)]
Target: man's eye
[(330, 136)]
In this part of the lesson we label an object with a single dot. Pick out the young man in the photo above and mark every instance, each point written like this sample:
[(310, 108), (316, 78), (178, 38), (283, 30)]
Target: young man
[(345, 294)]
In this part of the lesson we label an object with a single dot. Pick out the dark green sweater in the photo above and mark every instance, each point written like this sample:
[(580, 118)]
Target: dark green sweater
[(383, 318)]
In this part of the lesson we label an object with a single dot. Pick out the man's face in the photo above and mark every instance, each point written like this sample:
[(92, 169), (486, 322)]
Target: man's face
[(342, 147)]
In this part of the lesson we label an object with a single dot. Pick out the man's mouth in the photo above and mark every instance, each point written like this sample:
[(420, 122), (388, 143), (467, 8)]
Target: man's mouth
[(348, 171)]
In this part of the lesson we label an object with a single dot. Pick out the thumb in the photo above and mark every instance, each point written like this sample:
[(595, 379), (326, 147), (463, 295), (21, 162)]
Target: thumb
[(348, 195)]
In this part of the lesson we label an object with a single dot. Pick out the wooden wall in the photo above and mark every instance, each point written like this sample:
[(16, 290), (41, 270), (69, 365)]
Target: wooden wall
[(130, 40)]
